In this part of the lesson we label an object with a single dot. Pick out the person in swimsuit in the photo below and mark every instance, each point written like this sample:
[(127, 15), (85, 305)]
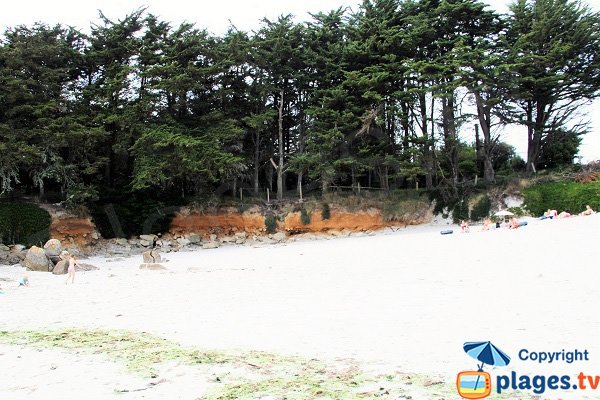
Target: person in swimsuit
[(71, 270), (24, 281)]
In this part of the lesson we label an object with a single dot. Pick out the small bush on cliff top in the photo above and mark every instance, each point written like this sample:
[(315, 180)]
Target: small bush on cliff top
[(271, 224), (304, 216), (24, 223), (325, 212)]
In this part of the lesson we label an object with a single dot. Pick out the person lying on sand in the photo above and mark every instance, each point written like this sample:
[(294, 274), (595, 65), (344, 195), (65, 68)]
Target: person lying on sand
[(588, 211), (514, 223), (565, 214), (24, 281)]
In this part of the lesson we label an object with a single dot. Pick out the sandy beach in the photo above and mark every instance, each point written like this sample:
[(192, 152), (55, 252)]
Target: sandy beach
[(398, 302)]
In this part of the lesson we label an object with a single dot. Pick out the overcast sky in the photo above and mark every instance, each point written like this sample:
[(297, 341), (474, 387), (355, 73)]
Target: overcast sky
[(216, 16)]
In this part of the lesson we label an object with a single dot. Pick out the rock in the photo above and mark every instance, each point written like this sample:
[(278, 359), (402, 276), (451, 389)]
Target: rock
[(279, 237), (148, 238), (61, 268), (53, 247), (241, 235), (183, 241), (213, 237), (210, 245), (122, 242), (266, 240), (194, 238), (95, 235), (4, 248), (17, 248), (151, 257), (115, 249), (152, 267), (64, 255), (228, 239), (37, 260), (85, 267), (133, 242)]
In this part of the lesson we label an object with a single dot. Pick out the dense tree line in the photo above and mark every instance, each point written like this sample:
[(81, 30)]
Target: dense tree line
[(378, 97)]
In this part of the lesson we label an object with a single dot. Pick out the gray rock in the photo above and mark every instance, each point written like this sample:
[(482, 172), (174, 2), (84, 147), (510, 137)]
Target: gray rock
[(152, 267), (213, 237), (148, 238), (61, 268), (4, 248), (183, 241), (151, 257), (228, 239), (37, 260), (279, 237), (241, 235), (85, 267), (194, 238), (210, 245), (53, 247), (17, 248), (122, 242), (133, 242), (64, 255), (95, 235), (145, 243)]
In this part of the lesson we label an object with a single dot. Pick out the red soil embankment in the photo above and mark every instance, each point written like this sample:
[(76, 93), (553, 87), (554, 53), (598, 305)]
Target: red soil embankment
[(73, 230), (371, 219), (222, 223)]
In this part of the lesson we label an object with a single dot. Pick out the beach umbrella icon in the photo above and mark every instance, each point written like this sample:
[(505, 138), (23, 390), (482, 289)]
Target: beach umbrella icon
[(486, 353)]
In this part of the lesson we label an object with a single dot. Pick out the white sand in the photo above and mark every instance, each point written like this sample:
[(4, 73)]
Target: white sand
[(403, 301)]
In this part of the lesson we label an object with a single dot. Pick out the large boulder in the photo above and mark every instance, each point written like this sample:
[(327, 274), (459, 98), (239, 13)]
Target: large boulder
[(194, 238), (61, 267), (4, 248), (148, 238), (151, 257), (210, 245), (37, 260), (53, 248)]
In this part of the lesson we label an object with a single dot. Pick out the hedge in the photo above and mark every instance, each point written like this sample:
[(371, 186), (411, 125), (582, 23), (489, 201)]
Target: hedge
[(562, 196), (24, 223)]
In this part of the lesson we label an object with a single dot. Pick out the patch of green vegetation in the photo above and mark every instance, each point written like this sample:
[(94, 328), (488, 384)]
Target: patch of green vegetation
[(24, 223), (292, 378), (325, 212), (304, 216), (271, 223), (481, 209), (562, 196)]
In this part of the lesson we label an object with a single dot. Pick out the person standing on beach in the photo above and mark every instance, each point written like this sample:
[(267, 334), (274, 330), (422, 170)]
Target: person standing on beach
[(71, 270)]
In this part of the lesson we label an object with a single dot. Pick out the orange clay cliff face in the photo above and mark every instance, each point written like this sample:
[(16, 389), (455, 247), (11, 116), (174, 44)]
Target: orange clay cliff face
[(359, 221), (221, 223)]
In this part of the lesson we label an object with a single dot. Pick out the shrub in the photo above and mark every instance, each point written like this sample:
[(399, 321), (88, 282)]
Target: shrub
[(460, 211), (481, 209), (325, 212), (129, 214), (24, 223), (304, 216), (271, 224), (562, 196)]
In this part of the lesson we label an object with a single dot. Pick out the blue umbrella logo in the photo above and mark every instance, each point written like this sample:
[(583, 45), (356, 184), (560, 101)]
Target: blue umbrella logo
[(486, 353)]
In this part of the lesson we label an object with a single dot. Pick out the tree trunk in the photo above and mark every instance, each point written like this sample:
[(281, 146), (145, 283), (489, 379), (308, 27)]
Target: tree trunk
[(280, 164), (485, 122)]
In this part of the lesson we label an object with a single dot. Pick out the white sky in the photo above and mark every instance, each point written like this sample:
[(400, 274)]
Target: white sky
[(245, 15)]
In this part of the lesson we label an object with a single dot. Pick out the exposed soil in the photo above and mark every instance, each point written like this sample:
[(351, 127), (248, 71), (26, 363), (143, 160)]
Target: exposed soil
[(358, 221), (222, 223), (73, 230)]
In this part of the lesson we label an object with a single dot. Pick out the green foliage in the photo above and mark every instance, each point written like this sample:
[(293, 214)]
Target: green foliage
[(518, 211), (126, 214), (460, 211), (271, 223), (24, 223), (304, 216), (325, 212), (481, 209), (562, 196)]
